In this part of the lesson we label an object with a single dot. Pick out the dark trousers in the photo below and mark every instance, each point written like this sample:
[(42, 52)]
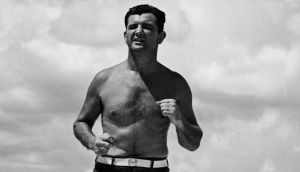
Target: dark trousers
[(99, 167)]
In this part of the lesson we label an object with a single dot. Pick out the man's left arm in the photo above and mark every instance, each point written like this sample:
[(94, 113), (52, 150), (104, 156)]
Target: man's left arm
[(181, 114)]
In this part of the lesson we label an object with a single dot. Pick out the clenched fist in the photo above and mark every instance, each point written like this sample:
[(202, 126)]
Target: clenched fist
[(102, 143), (170, 109)]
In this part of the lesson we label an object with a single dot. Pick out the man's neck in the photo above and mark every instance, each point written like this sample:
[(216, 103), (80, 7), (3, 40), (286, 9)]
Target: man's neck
[(144, 63)]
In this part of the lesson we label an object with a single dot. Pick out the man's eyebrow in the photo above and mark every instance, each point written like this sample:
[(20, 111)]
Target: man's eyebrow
[(143, 24), (132, 24), (150, 24)]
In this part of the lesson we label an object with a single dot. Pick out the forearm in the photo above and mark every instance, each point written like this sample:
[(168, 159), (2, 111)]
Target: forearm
[(83, 132), (189, 135)]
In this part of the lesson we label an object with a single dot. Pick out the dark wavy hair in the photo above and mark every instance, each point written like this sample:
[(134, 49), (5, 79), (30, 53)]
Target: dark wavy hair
[(145, 8)]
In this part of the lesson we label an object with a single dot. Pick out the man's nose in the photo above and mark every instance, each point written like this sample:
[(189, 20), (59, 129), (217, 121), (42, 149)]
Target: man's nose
[(139, 30)]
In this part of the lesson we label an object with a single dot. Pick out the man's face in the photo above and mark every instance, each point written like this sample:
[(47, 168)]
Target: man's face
[(142, 32)]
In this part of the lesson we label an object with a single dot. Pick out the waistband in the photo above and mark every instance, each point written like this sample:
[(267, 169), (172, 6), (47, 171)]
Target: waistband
[(133, 162)]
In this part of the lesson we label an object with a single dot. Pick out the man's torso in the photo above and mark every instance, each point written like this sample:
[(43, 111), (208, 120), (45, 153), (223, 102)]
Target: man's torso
[(130, 113)]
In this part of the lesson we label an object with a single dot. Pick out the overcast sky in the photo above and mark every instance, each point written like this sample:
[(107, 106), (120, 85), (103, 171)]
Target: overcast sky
[(240, 57)]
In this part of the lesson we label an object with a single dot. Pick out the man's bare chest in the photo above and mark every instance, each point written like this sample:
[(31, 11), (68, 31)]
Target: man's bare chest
[(127, 100)]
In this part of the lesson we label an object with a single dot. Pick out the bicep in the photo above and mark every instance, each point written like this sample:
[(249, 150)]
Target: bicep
[(185, 103), (92, 106)]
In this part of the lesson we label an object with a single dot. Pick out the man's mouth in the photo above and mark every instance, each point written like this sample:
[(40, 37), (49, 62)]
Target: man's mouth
[(138, 40)]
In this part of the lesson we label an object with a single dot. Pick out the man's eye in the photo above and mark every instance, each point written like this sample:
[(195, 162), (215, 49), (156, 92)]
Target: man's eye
[(131, 26), (147, 27)]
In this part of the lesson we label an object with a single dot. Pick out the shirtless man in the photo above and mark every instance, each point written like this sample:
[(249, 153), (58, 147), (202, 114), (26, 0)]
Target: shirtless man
[(137, 100)]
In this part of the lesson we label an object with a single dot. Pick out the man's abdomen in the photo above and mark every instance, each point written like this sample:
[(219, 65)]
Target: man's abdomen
[(138, 139)]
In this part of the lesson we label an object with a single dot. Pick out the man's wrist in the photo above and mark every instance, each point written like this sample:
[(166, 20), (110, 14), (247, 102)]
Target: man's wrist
[(179, 124), (91, 143), (178, 121)]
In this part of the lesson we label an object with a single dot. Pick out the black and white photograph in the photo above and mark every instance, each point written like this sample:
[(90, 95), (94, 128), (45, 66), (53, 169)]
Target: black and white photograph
[(150, 85)]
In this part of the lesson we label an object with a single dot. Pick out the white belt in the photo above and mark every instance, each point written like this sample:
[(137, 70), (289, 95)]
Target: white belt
[(133, 162)]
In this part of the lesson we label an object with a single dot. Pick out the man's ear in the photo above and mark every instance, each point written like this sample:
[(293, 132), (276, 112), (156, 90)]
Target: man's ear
[(161, 36), (125, 38)]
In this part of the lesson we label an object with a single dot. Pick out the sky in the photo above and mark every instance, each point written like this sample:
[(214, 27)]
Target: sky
[(240, 58)]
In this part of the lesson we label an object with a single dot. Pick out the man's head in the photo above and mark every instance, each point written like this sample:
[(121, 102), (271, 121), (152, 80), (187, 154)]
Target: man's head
[(143, 9), (144, 28)]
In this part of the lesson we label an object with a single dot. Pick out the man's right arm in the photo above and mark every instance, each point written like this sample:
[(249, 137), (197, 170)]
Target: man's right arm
[(89, 113)]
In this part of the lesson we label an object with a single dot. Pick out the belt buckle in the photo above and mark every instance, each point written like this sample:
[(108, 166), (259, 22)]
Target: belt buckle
[(132, 162)]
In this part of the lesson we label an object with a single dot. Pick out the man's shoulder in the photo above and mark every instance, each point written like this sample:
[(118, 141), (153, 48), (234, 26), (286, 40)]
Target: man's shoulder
[(169, 72), (177, 80), (175, 76), (179, 84), (107, 72), (103, 74)]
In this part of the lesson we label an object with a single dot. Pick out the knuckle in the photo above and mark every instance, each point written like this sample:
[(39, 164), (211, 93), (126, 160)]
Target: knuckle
[(97, 143), (106, 145), (101, 150), (110, 140), (100, 144), (105, 135), (98, 138)]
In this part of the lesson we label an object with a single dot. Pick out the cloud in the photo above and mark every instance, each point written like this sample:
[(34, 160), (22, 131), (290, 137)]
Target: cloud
[(268, 166), (35, 89), (44, 148), (22, 22), (243, 145), (82, 23), (267, 75), (72, 58), (294, 24), (293, 4)]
